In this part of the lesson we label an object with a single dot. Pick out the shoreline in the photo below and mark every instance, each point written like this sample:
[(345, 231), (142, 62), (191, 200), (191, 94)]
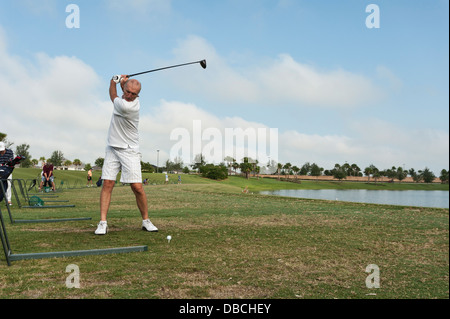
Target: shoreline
[(364, 179)]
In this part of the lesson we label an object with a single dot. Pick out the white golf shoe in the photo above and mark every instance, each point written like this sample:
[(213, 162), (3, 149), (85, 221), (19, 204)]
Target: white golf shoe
[(148, 226), (102, 228)]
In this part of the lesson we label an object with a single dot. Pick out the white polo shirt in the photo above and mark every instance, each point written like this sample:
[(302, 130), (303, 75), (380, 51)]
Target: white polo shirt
[(123, 130)]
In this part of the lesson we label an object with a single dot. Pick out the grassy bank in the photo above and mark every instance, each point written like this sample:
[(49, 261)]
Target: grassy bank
[(227, 244)]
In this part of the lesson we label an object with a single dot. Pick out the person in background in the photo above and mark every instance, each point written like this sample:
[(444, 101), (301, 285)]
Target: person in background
[(89, 178), (6, 155), (47, 176)]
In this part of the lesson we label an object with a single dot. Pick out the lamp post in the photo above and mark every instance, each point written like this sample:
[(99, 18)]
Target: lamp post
[(157, 161)]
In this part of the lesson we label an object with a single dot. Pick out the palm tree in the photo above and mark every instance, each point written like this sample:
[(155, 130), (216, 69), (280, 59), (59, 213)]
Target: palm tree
[(355, 169), (444, 176), (347, 168), (376, 174), (76, 162), (295, 169), (415, 175), (401, 174), (368, 171), (67, 163), (287, 167), (246, 167), (427, 175)]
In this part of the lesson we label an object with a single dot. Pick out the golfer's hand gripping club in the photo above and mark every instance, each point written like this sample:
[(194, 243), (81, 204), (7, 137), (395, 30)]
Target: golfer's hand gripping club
[(117, 78)]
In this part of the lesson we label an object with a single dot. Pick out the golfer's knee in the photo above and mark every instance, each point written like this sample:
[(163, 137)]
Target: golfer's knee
[(137, 189), (108, 185)]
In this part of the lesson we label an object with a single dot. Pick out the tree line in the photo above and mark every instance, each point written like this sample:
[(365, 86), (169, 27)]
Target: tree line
[(248, 167)]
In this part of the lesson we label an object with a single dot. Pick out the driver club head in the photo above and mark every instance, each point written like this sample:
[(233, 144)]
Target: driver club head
[(203, 64)]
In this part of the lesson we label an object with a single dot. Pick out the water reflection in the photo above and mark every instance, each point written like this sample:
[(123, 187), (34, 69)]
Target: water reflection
[(439, 199)]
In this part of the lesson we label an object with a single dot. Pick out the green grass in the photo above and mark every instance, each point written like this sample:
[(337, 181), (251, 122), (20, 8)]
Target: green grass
[(227, 244)]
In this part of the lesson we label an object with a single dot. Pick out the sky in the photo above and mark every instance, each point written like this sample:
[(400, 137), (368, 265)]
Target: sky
[(295, 81)]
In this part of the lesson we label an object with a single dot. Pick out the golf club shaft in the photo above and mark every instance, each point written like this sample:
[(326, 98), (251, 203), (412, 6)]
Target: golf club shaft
[(167, 67)]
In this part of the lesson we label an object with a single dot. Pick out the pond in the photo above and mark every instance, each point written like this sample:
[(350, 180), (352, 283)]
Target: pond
[(437, 199)]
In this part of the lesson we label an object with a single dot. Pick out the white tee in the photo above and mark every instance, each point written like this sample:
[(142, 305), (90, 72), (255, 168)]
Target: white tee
[(123, 130)]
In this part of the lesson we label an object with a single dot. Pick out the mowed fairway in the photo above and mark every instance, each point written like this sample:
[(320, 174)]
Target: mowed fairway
[(226, 244)]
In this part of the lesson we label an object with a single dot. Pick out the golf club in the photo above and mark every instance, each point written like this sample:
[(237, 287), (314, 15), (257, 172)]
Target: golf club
[(117, 78)]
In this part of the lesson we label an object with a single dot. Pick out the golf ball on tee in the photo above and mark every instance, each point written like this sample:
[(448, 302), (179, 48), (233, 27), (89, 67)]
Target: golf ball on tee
[(169, 238)]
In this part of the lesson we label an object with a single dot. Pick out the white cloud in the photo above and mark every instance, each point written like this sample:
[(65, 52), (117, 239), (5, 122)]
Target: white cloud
[(287, 80), (278, 82), (392, 144), (384, 73)]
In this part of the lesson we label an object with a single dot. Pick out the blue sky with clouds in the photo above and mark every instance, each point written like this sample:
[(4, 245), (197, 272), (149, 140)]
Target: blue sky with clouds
[(336, 90)]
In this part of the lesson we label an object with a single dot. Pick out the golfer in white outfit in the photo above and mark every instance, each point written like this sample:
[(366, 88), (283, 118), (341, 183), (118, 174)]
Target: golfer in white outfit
[(122, 152)]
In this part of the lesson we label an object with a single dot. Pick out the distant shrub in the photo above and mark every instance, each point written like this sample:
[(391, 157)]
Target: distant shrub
[(217, 172)]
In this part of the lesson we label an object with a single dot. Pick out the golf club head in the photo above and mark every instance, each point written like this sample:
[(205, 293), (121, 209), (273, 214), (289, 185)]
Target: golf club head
[(203, 64)]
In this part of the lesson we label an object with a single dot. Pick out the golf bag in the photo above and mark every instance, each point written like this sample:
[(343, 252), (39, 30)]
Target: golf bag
[(5, 171)]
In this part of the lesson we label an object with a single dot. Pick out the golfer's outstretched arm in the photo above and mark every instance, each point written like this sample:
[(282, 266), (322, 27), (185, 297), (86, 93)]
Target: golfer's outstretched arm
[(112, 90)]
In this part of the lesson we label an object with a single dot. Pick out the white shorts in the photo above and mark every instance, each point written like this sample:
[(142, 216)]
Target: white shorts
[(126, 160)]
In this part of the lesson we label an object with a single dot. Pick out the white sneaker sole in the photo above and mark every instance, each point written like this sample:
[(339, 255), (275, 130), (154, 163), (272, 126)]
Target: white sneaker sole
[(102, 234)]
